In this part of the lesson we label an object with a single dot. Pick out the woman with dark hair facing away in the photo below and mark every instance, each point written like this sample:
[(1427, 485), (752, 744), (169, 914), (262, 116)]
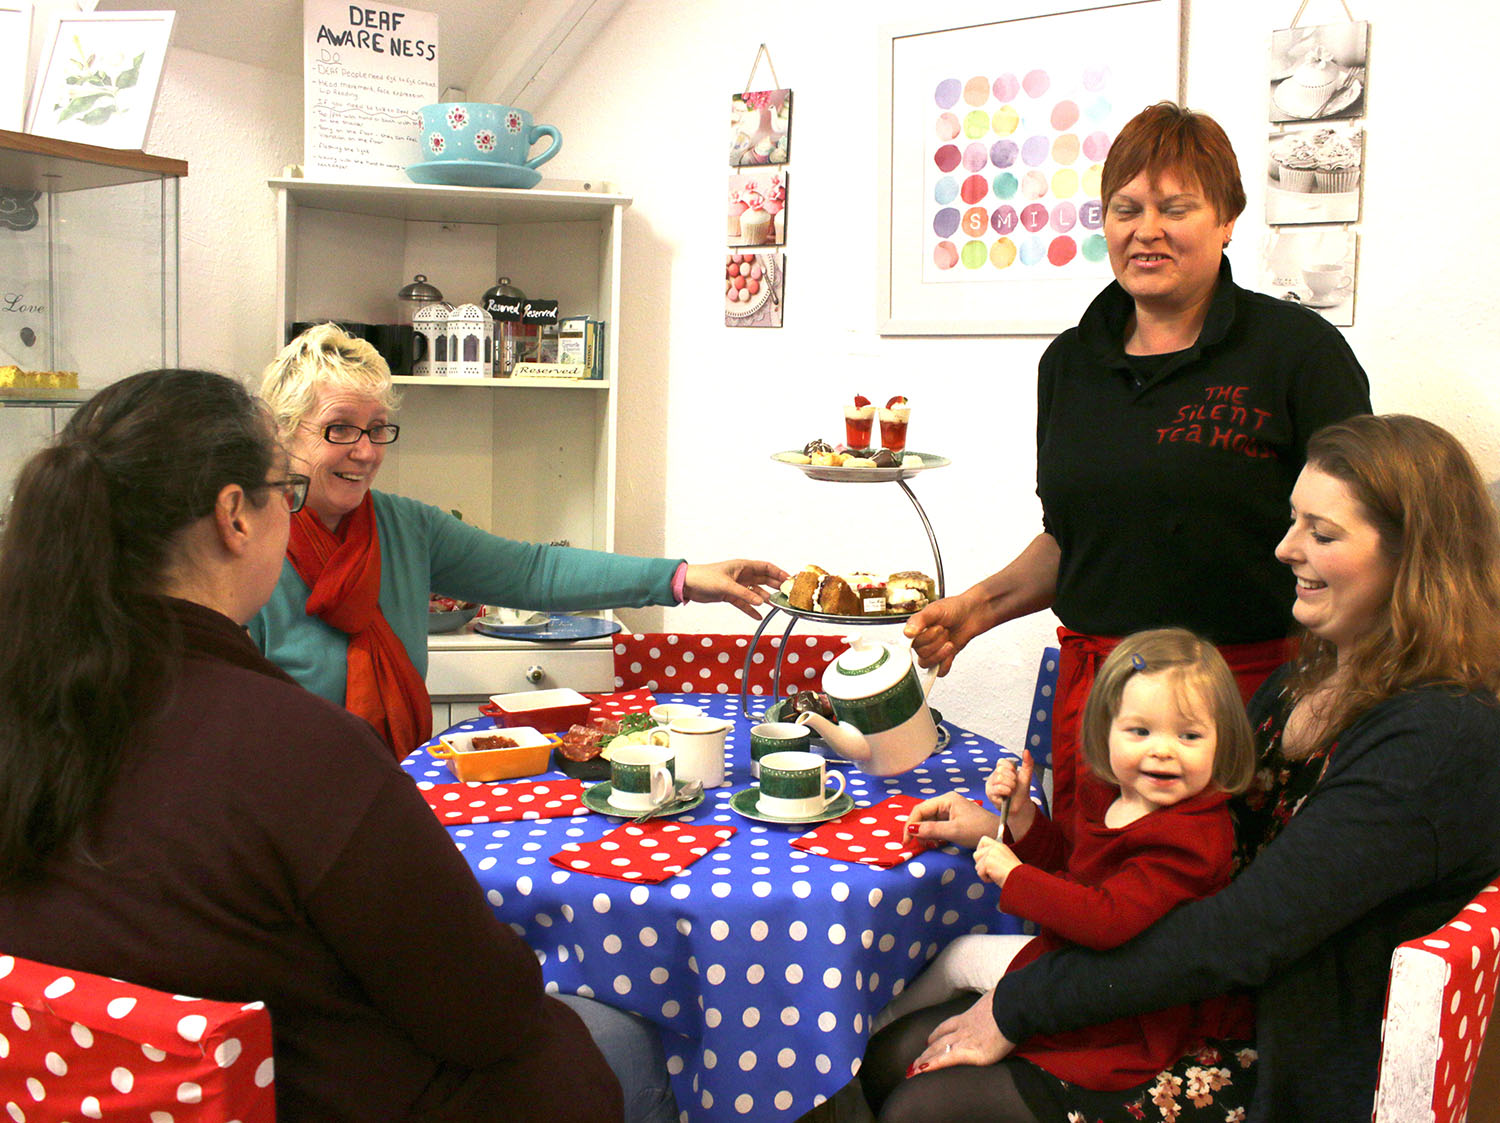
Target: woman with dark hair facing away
[(176, 812), (1371, 819), (1171, 424)]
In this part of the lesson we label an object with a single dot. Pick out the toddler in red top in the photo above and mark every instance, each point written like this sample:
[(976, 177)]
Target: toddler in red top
[(1166, 742)]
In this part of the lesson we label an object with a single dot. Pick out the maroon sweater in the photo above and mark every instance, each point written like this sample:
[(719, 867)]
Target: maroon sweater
[(261, 843), (1116, 882)]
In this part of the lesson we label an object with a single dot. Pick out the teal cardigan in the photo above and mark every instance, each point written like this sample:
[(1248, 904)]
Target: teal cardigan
[(425, 550)]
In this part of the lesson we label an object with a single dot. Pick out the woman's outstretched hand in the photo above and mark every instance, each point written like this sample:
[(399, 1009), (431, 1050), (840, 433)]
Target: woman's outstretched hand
[(970, 1038), (951, 818), (743, 583)]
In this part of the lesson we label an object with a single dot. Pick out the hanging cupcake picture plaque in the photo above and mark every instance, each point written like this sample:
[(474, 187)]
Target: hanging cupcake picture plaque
[(1318, 73), (757, 208), (1313, 174), (754, 289), (760, 128)]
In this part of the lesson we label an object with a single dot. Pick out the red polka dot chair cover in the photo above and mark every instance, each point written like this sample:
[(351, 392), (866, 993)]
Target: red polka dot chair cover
[(79, 1046), (704, 663), (1437, 1007)]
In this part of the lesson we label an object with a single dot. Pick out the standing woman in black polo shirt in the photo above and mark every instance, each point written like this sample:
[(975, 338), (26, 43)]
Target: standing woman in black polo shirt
[(1171, 424)]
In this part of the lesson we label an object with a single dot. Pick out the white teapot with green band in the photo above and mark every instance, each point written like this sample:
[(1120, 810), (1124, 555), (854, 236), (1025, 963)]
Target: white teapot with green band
[(880, 698)]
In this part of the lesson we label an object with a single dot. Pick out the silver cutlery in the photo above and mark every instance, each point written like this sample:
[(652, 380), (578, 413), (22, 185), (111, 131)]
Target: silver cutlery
[(686, 794)]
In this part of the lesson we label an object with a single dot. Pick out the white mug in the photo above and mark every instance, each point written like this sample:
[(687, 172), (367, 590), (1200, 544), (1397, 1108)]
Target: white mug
[(698, 745)]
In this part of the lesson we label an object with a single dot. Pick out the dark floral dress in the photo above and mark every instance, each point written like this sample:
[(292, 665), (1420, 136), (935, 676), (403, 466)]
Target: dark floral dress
[(1278, 789), (1212, 1085)]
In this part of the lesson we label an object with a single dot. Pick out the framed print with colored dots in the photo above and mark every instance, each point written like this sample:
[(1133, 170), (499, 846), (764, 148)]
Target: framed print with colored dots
[(993, 143)]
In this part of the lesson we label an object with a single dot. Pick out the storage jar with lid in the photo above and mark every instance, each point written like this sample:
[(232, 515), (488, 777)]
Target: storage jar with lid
[(504, 302), (414, 297)]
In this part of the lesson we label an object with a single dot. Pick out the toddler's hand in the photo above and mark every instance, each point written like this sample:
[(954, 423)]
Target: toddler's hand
[(1002, 782), (1012, 785), (994, 861)]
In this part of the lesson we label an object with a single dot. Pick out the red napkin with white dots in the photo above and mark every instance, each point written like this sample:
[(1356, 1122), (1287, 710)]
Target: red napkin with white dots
[(505, 803), (872, 836), (647, 853), (616, 706)]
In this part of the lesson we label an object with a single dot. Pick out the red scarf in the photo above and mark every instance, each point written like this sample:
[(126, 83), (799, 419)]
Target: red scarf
[(343, 572)]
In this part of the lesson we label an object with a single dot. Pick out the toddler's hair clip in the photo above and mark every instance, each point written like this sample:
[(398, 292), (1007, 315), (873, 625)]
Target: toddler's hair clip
[(1138, 661)]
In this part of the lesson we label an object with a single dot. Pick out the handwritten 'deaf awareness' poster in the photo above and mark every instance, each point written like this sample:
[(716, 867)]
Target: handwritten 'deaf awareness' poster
[(367, 71)]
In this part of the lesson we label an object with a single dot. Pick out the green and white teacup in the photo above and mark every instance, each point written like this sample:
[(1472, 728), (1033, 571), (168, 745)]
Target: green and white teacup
[(641, 777), (792, 785), (775, 737)]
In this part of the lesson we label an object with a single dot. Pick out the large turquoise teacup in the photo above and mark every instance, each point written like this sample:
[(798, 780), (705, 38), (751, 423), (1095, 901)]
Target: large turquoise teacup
[(484, 133)]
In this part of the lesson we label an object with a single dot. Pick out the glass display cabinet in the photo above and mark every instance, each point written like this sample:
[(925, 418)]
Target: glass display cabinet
[(88, 279)]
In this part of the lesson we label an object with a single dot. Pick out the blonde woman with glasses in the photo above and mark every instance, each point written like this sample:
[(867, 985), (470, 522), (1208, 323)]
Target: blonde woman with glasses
[(348, 619)]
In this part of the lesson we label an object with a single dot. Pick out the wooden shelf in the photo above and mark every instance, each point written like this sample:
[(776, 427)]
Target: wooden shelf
[(37, 396), (40, 163), (500, 383)]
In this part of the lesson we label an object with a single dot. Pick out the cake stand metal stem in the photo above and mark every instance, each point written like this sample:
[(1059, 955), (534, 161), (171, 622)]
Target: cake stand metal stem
[(937, 555), (792, 617)]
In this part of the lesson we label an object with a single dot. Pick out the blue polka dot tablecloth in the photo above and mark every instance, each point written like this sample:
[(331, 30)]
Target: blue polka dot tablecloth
[(761, 964)]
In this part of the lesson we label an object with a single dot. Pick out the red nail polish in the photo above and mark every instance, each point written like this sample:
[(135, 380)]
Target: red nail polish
[(911, 1070)]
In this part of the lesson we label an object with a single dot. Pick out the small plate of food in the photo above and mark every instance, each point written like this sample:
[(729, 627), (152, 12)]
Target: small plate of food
[(583, 750), (855, 598), (512, 622), (445, 614), (820, 461)]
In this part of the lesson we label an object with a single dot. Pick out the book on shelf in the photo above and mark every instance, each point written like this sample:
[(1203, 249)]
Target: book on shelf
[(580, 339)]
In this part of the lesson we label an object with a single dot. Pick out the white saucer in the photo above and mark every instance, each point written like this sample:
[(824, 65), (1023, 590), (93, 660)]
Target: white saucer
[(596, 799), (473, 173), (747, 803), (1324, 301)]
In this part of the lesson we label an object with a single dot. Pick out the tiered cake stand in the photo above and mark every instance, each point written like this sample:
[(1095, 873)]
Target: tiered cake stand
[(779, 603)]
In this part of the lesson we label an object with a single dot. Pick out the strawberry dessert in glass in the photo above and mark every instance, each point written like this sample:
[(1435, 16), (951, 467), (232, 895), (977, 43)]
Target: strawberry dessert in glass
[(893, 419), (858, 421)]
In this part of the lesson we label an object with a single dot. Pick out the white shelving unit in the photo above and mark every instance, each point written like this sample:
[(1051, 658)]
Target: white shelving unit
[(529, 459)]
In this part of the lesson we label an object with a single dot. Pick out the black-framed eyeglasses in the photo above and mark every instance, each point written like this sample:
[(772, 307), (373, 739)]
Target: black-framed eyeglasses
[(294, 487), (341, 434)]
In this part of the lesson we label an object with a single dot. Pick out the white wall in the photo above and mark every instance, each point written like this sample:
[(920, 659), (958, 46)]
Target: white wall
[(704, 405), (236, 126)]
